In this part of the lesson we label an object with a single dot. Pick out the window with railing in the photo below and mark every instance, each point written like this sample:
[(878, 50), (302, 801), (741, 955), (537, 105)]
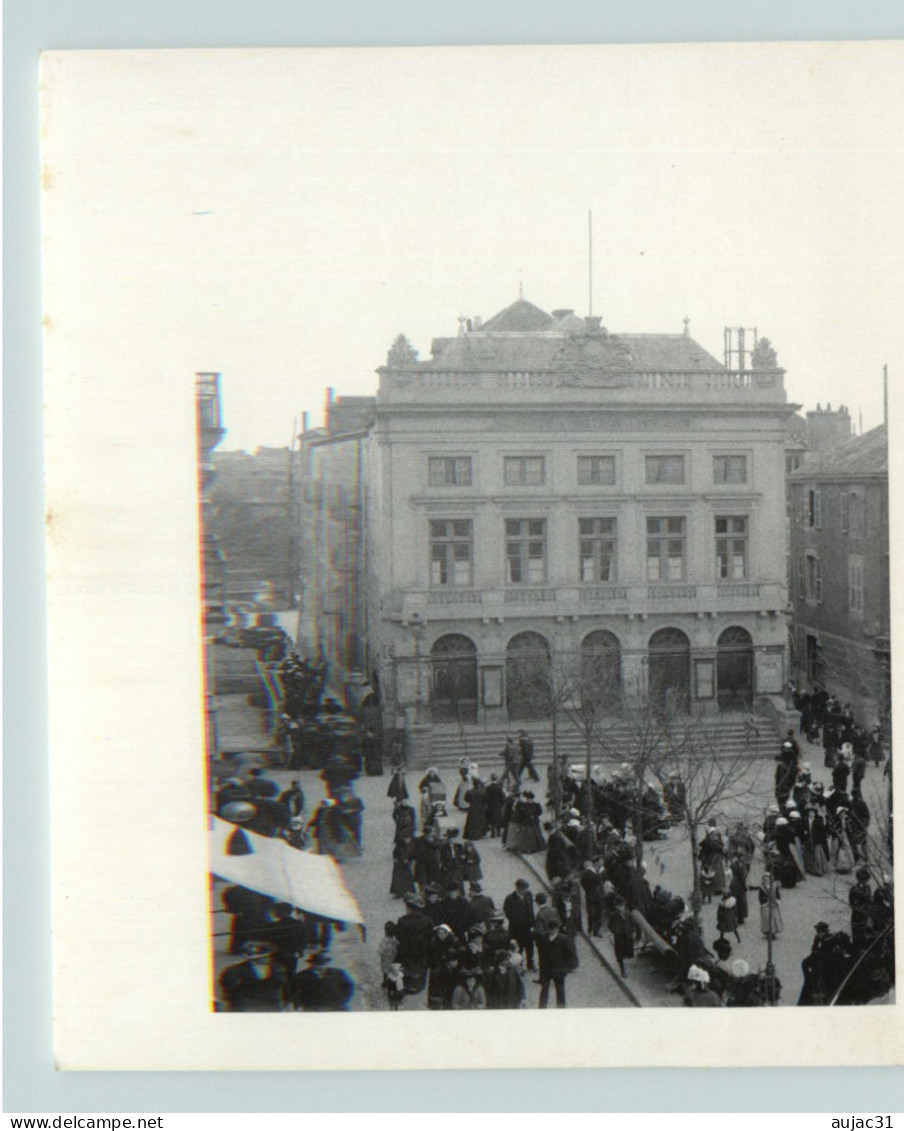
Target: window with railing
[(451, 552), (525, 551), (666, 545), (731, 548), (598, 549)]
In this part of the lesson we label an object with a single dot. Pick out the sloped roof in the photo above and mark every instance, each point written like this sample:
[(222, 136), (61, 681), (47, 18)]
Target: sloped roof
[(521, 315), (861, 455)]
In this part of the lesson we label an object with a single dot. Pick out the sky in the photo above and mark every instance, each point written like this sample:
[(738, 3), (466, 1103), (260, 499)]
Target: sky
[(281, 216)]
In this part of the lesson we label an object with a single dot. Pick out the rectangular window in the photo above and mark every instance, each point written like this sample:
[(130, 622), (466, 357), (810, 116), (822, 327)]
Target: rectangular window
[(525, 551), (845, 512), (814, 507), (729, 469), (857, 515), (596, 471), (450, 471), (598, 548), (451, 552), (665, 469), (525, 471), (801, 579), (665, 549), (731, 548), (814, 578), (855, 583)]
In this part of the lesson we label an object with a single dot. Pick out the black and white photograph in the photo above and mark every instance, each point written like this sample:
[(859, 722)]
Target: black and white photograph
[(510, 428)]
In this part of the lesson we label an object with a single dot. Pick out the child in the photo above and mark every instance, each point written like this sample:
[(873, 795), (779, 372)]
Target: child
[(707, 882), (395, 986), (387, 950), (727, 917)]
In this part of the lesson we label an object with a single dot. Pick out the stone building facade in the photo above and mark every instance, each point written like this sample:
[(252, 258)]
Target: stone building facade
[(541, 488), (839, 554)]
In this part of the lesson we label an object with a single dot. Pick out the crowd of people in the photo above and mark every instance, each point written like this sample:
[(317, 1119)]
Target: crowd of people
[(593, 838)]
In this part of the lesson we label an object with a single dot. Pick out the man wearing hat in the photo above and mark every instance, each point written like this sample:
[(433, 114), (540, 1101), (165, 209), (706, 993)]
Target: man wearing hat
[(558, 958), (322, 988), (497, 936), (257, 984), (480, 906), (519, 911), (413, 931)]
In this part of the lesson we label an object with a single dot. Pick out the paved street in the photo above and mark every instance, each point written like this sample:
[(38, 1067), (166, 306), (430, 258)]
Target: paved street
[(668, 864)]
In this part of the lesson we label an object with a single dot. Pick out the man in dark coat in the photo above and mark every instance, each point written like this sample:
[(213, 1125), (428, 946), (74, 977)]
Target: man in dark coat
[(322, 988), (257, 984), (293, 800), (592, 881), (526, 751), (519, 911), (504, 988), (558, 958), (495, 805), (413, 932), (480, 906)]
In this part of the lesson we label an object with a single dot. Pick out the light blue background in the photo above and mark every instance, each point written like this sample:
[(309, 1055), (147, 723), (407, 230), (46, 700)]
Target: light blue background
[(30, 1082)]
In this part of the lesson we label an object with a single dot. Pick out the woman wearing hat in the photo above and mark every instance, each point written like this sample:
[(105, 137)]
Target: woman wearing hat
[(699, 995), (469, 993), (524, 833)]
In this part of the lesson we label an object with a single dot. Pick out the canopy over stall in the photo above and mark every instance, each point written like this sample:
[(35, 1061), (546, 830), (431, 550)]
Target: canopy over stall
[(313, 883)]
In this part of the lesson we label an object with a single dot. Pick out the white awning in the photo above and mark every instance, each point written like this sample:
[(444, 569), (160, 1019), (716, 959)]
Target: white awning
[(313, 883)]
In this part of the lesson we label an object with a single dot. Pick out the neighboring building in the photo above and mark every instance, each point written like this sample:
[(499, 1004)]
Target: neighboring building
[(332, 551), (209, 433), (839, 551), (254, 503), (540, 486)]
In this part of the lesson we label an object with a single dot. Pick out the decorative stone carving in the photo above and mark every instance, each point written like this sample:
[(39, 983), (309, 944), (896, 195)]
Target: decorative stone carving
[(763, 356), (593, 358), (401, 353)]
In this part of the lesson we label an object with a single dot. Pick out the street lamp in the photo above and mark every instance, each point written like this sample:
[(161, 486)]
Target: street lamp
[(418, 626)]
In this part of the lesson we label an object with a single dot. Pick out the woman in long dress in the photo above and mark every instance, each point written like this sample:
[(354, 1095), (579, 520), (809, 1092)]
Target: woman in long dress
[(476, 822), (769, 894), (524, 834)]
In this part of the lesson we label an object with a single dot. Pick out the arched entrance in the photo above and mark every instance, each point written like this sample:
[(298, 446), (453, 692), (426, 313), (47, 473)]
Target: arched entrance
[(601, 669), (527, 670), (454, 684), (734, 669), (670, 671)]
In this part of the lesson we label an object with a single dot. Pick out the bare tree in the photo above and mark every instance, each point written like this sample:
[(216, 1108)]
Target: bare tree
[(682, 755)]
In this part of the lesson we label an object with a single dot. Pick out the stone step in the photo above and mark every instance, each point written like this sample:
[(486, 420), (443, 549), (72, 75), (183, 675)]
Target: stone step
[(448, 745)]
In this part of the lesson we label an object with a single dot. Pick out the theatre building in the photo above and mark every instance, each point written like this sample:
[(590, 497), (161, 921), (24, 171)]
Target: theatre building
[(541, 488)]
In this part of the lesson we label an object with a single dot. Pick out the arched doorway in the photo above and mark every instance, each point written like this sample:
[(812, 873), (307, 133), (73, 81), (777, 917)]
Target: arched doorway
[(601, 669), (670, 671), (454, 684), (527, 671), (734, 669)]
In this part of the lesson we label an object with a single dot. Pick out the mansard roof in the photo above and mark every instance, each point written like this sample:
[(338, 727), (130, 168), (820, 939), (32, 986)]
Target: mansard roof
[(486, 350)]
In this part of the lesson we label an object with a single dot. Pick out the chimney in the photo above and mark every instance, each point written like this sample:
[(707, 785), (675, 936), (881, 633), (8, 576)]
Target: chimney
[(827, 427)]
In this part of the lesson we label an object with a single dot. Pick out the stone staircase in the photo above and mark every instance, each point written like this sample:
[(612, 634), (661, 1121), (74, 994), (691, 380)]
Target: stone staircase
[(731, 735)]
